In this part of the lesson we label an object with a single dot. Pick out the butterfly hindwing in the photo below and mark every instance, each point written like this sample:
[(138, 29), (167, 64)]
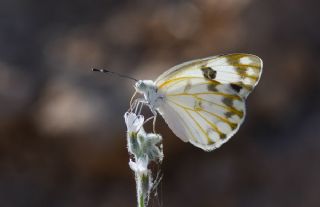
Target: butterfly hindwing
[(206, 119), (205, 99)]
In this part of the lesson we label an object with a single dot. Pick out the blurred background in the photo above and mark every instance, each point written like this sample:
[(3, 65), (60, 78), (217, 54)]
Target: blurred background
[(62, 133)]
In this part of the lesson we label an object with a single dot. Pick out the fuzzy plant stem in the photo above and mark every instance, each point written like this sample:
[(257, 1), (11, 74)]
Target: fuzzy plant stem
[(144, 149), (142, 183)]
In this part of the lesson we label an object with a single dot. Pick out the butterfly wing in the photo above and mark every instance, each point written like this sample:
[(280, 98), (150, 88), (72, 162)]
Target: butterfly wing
[(205, 99)]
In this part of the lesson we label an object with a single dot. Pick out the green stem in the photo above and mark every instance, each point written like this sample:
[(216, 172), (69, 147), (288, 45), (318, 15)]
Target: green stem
[(142, 190), (141, 201)]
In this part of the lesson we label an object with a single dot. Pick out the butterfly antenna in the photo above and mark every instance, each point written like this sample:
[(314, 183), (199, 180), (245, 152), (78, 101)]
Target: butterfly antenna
[(113, 73)]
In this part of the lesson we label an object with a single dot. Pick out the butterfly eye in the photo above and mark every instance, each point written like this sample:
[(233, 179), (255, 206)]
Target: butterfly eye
[(140, 86)]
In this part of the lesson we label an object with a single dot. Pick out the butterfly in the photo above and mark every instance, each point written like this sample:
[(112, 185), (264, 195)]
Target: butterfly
[(203, 100)]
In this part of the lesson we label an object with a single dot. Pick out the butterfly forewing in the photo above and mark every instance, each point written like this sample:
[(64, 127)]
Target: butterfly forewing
[(207, 97), (241, 71)]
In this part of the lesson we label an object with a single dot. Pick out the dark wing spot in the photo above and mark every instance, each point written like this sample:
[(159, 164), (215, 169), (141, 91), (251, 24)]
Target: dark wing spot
[(228, 114), (235, 87), (210, 142), (227, 101), (212, 87), (187, 87), (233, 126), (223, 136), (209, 73)]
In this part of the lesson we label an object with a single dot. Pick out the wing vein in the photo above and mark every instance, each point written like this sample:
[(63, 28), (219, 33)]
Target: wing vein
[(210, 123), (186, 125), (183, 78), (232, 125), (231, 109), (198, 125), (207, 93)]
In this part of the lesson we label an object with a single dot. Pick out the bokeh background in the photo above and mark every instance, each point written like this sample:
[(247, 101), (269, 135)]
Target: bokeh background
[(62, 134)]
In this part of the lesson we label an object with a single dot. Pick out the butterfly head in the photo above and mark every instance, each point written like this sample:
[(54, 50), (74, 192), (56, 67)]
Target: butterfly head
[(143, 86)]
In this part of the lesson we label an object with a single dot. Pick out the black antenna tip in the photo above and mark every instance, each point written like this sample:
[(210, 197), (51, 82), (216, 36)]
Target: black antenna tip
[(98, 70), (113, 73)]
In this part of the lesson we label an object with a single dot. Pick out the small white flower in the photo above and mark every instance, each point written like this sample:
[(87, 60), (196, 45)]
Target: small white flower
[(133, 122), (140, 166)]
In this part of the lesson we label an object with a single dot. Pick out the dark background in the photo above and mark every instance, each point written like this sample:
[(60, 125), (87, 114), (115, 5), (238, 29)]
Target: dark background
[(62, 133)]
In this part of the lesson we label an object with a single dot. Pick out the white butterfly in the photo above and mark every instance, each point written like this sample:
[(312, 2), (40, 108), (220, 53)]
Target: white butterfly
[(203, 101)]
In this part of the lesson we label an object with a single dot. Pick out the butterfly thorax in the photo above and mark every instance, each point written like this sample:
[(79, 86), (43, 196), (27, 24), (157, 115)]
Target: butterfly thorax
[(150, 92)]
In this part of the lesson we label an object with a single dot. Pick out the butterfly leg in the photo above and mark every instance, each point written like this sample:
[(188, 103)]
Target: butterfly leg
[(133, 104), (132, 98), (137, 105), (153, 117), (154, 121)]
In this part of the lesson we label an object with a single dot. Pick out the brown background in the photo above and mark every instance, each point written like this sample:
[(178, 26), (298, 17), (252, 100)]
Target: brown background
[(62, 135)]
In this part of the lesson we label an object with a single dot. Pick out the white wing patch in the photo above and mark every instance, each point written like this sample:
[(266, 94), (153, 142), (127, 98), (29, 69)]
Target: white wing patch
[(204, 100), (246, 60), (207, 119)]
